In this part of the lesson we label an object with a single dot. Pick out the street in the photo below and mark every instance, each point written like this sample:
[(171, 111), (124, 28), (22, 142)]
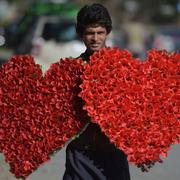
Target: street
[(54, 169)]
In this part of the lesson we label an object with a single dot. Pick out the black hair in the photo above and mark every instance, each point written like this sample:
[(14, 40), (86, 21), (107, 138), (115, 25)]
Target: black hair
[(93, 14)]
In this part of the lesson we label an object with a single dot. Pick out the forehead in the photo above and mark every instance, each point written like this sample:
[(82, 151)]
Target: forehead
[(95, 27)]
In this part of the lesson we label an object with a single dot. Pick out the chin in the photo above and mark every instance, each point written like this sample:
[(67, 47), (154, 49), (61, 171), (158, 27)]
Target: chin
[(95, 49)]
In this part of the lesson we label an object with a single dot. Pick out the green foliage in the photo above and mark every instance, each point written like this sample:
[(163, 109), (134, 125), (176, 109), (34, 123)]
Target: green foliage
[(66, 9)]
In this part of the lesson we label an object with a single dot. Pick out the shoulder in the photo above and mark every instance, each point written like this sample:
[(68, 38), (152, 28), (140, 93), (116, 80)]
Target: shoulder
[(82, 56)]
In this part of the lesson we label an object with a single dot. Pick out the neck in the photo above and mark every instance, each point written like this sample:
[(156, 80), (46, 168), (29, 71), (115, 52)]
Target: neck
[(89, 52)]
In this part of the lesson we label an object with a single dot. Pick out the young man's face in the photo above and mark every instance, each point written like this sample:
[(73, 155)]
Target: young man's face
[(94, 37)]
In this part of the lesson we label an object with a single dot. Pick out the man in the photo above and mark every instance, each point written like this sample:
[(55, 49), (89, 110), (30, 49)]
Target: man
[(92, 156)]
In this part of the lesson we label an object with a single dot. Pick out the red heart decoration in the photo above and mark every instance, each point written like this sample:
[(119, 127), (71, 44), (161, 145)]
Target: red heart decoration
[(38, 114), (136, 103)]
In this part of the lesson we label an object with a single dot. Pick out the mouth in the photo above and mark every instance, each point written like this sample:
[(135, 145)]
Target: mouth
[(94, 45)]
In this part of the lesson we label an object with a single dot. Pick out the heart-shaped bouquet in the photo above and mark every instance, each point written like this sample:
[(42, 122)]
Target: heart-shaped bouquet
[(38, 113), (136, 103)]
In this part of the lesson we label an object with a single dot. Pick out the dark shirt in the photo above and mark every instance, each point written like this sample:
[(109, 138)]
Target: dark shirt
[(92, 138)]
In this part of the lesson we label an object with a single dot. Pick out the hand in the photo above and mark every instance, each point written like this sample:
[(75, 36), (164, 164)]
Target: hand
[(145, 167)]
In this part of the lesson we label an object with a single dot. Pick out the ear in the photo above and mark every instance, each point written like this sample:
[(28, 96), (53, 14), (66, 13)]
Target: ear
[(81, 37)]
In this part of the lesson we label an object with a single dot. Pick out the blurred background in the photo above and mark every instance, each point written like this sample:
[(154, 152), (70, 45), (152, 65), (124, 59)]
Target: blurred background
[(45, 28)]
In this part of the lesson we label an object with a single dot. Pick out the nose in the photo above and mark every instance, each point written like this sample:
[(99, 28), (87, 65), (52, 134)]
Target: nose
[(95, 36)]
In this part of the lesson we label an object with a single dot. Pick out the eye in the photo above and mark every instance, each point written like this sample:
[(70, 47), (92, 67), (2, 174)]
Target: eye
[(101, 32), (89, 33)]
